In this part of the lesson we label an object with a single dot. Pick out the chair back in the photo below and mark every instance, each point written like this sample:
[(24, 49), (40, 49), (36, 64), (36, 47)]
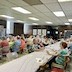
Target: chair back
[(5, 50), (0, 53)]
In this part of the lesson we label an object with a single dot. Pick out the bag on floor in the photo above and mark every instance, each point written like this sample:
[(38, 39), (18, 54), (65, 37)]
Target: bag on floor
[(56, 70)]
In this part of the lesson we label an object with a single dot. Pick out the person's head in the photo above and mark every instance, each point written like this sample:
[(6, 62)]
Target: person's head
[(22, 34), (10, 37), (63, 45), (46, 39), (34, 41), (18, 37), (70, 39), (22, 38), (3, 38)]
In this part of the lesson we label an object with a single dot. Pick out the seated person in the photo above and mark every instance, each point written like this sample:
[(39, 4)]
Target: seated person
[(60, 58), (16, 45), (28, 41), (22, 45), (46, 42), (51, 40), (11, 43), (22, 36), (10, 38), (4, 42), (36, 47)]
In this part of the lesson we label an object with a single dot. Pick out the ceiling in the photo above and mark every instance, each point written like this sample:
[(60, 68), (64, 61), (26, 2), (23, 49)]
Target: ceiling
[(41, 9)]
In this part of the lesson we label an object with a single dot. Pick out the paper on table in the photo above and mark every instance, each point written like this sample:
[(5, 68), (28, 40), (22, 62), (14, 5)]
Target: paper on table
[(39, 60)]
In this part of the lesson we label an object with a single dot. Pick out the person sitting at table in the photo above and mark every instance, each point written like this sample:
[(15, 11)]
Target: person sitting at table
[(22, 36), (59, 54), (51, 40), (4, 42), (22, 45), (10, 38), (16, 45), (46, 42), (36, 47)]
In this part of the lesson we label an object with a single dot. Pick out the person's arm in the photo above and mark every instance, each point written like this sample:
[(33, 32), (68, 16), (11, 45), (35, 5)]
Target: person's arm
[(51, 54), (55, 50)]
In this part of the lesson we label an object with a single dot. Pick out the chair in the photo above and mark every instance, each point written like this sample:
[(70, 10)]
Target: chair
[(0, 53), (5, 50), (65, 62), (11, 56)]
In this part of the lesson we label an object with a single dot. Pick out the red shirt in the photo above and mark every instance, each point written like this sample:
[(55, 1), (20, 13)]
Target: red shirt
[(4, 43), (22, 45)]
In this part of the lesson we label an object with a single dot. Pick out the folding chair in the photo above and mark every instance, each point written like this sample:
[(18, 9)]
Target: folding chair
[(5, 50)]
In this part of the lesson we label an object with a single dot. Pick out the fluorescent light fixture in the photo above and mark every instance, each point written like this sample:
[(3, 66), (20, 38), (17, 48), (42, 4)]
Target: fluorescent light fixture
[(19, 9), (56, 32), (33, 18), (48, 32), (19, 21), (49, 22), (35, 24), (59, 13), (70, 20), (5, 16), (64, 0), (65, 30), (67, 23)]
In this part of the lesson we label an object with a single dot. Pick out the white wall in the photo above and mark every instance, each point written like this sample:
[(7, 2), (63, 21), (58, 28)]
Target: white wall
[(10, 27)]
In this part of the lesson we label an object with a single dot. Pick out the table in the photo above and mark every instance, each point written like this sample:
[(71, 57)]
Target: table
[(30, 62)]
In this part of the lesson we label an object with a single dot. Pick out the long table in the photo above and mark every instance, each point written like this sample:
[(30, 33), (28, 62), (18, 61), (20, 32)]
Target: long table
[(29, 62)]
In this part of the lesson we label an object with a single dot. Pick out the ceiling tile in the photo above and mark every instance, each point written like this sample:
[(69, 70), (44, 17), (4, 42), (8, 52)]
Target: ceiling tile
[(6, 3), (53, 7), (66, 5), (18, 2), (31, 9), (41, 8), (48, 1)]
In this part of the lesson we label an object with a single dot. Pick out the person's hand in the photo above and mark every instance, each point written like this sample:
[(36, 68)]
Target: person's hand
[(54, 50)]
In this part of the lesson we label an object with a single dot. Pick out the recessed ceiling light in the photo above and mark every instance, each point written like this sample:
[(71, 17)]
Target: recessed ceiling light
[(5, 16), (19, 21), (67, 23), (49, 22), (33, 18), (64, 0), (22, 10), (59, 13), (35, 24), (70, 20)]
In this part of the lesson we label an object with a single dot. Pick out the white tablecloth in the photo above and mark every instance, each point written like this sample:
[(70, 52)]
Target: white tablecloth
[(29, 63)]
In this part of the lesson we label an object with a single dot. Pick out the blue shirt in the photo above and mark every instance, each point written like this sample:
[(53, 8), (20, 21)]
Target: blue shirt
[(16, 45)]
